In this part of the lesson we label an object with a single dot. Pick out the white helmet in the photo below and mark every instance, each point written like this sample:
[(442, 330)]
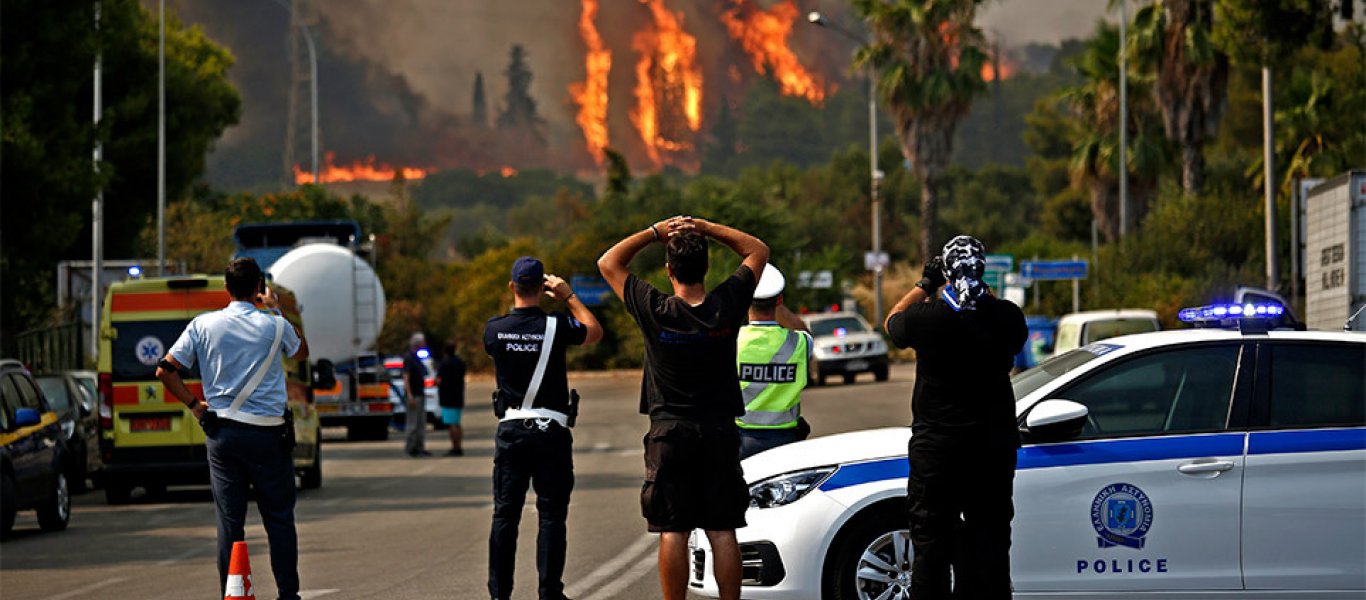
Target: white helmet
[(771, 283)]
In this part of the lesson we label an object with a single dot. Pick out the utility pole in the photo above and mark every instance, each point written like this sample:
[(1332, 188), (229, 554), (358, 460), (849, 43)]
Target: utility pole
[(1123, 120), (1268, 180), (161, 141), (97, 206)]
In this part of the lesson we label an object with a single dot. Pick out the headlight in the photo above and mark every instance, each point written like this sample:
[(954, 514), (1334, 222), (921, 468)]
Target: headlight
[(786, 489)]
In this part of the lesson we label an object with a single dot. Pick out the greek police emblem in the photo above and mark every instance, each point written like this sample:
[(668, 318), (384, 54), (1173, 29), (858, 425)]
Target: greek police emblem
[(1121, 515)]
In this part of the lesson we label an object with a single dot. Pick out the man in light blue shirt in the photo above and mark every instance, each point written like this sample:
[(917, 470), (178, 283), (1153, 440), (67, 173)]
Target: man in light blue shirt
[(248, 445)]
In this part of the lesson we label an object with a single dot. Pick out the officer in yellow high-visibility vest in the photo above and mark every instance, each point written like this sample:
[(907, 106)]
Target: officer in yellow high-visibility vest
[(772, 356)]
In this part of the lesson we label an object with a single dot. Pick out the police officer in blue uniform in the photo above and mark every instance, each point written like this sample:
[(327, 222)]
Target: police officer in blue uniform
[(533, 445)]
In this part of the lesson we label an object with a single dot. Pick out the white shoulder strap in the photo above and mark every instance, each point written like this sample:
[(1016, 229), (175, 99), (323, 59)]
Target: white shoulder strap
[(547, 344), (260, 373)]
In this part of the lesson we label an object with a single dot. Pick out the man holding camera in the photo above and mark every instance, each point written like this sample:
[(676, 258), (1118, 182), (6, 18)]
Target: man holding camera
[(964, 436), (533, 445), (691, 391), (243, 413)]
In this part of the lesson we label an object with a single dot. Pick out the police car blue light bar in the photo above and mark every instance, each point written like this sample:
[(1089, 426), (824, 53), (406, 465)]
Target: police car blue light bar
[(1220, 312), (423, 353)]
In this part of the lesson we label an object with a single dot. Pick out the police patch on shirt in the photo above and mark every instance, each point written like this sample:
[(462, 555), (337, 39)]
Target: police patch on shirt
[(1121, 515), (768, 373)]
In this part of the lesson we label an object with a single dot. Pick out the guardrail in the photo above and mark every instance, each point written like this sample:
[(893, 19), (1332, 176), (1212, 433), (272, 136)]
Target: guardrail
[(53, 349)]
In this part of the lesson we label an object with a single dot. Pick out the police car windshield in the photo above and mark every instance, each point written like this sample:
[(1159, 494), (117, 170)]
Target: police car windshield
[(1032, 379), (837, 326)]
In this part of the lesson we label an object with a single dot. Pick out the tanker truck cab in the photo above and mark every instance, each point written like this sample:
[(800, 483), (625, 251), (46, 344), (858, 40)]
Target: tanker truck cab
[(148, 438)]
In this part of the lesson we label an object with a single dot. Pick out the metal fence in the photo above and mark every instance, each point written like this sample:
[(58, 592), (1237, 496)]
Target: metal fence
[(53, 349)]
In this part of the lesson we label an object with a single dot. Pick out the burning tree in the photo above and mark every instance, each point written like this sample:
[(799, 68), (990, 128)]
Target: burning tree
[(929, 57)]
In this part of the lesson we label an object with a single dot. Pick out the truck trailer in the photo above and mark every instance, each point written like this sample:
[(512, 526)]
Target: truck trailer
[(1335, 253)]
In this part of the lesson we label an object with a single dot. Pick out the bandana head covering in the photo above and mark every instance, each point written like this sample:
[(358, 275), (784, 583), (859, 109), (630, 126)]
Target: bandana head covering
[(964, 263)]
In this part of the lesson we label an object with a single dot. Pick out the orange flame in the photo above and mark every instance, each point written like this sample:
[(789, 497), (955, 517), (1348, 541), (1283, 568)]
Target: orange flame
[(668, 80), (1006, 67), (507, 172), (763, 35), (367, 170), (591, 94)]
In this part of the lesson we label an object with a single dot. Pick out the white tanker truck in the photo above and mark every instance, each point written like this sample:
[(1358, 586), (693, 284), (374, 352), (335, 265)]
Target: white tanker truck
[(341, 302)]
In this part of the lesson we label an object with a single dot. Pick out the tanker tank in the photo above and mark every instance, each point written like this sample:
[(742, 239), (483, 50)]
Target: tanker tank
[(341, 299)]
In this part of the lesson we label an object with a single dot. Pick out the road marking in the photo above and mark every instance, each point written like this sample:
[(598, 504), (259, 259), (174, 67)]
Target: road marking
[(333, 501), (638, 570), (87, 589), (310, 594), (642, 545), (177, 558)]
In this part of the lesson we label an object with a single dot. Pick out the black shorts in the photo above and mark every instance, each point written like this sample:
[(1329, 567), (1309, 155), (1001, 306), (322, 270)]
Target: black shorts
[(693, 478)]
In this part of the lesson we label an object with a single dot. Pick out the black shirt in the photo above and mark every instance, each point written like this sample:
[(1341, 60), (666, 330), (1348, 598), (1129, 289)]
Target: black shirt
[(414, 377), (690, 350), (514, 342), (963, 362), (451, 394)]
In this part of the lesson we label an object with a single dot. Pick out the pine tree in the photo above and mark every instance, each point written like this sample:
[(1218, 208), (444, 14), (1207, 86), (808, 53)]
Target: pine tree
[(480, 116), (519, 109)]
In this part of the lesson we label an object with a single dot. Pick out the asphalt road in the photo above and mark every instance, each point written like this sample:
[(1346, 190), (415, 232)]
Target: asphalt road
[(388, 526)]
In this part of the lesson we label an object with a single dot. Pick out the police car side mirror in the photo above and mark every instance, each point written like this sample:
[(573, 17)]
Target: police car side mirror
[(26, 417), (1054, 420), (324, 375)]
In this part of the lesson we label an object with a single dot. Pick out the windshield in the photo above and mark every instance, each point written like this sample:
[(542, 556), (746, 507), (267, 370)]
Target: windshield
[(1032, 379), (54, 389), (837, 326), (1100, 330)]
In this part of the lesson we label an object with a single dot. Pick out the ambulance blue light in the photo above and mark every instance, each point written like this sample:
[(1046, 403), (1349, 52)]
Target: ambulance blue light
[(1220, 312), (135, 271), (423, 353)]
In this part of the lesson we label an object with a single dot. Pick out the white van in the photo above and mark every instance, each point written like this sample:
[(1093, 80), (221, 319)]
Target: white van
[(1081, 328)]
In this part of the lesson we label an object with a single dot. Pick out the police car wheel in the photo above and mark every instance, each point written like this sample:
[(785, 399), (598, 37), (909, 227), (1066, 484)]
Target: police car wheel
[(880, 374), (55, 513), (871, 561), (8, 496), (849, 378)]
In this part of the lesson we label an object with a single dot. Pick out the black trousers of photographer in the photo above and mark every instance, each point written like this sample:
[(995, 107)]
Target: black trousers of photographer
[(526, 455), (960, 496), (242, 457)]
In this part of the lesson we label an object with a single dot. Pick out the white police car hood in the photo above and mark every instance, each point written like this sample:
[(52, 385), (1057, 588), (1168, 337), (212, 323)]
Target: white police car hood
[(843, 448), (864, 338)]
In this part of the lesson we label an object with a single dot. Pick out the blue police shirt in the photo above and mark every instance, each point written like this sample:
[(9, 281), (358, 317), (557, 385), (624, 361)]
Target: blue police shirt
[(229, 345)]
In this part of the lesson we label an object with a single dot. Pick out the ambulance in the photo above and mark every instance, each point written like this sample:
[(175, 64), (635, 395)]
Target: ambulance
[(149, 439)]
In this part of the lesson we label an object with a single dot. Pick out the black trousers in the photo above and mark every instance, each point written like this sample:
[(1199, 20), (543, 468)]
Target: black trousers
[(524, 455), (242, 458), (754, 441), (960, 496)]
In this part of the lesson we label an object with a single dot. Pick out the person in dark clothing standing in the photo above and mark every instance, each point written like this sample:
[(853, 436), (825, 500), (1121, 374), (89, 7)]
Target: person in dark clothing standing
[(691, 391), (963, 435), (533, 445), (450, 385), (415, 387)]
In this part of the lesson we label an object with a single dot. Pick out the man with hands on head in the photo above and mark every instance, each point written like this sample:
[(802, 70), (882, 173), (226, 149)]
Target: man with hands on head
[(691, 391), (243, 415), (964, 436)]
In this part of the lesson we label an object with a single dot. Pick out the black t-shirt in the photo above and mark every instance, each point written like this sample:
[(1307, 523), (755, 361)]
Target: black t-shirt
[(414, 376), (962, 373), (451, 394), (690, 350), (514, 342)]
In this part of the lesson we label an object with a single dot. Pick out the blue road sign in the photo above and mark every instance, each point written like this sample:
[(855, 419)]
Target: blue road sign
[(1045, 270), (592, 291)]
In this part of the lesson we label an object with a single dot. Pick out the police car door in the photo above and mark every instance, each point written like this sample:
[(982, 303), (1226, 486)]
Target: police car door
[(1147, 498), (1304, 496)]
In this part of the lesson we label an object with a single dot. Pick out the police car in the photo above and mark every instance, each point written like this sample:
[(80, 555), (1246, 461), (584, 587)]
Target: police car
[(1193, 463)]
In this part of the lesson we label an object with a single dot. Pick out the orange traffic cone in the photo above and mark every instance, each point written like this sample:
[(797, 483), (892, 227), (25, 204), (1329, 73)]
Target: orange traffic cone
[(239, 574)]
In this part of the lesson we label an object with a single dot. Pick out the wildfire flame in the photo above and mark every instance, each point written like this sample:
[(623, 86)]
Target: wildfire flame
[(366, 170), (1006, 67), (591, 94), (668, 81), (763, 35)]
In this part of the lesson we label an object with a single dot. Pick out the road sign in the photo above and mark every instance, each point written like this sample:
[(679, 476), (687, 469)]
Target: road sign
[(876, 262), (592, 291), (996, 268), (823, 280), (1048, 270), (1015, 280)]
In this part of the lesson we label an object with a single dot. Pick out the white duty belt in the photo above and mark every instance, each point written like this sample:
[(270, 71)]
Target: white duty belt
[(527, 410), (233, 412)]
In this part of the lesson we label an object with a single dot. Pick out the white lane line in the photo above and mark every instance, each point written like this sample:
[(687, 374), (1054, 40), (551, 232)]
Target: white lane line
[(333, 501), (610, 568), (638, 570), (87, 589), (310, 594), (179, 557)]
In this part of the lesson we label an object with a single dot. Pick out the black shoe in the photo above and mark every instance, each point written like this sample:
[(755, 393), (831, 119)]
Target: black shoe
[(420, 454), (455, 452)]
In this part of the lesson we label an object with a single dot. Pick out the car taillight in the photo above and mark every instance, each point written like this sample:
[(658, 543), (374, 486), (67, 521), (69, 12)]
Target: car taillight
[(106, 401)]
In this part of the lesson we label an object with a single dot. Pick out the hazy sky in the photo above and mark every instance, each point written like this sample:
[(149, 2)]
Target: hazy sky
[(1045, 21)]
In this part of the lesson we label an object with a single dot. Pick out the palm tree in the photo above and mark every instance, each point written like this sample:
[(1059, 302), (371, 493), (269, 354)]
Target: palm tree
[(1173, 38), (1094, 131), (928, 56)]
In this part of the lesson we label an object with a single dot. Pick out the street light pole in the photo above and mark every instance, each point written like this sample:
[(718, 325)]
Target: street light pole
[(161, 141), (1123, 122), (97, 206), (817, 19)]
